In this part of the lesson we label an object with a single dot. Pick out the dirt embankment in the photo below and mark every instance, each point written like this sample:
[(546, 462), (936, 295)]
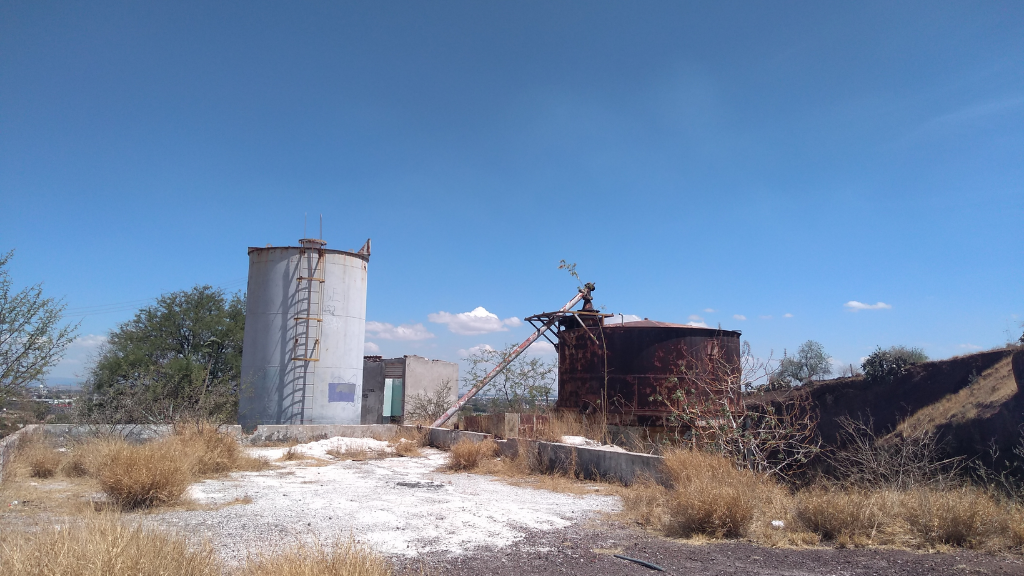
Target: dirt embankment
[(970, 401)]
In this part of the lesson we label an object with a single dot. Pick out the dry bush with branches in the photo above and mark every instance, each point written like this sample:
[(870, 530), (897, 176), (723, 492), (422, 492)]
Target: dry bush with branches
[(776, 437), (426, 407), (467, 454), (897, 461)]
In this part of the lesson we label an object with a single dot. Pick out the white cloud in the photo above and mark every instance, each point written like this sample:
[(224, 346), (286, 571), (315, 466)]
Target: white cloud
[(370, 349), (854, 306), (970, 347), (768, 317), (695, 318), (709, 310), (479, 321), (386, 331), (78, 355), (739, 316), (467, 352), (622, 319), (787, 315), (541, 348), (696, 323)]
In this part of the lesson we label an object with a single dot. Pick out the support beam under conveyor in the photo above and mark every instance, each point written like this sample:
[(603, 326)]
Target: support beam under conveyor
[(584, 293)]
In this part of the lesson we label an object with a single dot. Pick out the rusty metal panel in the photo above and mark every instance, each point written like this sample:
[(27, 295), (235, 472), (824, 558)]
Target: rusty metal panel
[(643, 360)]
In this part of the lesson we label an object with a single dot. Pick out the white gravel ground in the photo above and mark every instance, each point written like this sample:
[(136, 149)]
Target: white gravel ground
[(398, 506)]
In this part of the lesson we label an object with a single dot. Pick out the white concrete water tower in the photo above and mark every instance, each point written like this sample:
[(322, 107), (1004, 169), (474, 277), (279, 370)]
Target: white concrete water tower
[(305, 322)]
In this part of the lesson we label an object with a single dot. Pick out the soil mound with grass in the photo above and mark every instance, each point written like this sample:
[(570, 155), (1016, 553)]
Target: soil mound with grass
[(968, 401)]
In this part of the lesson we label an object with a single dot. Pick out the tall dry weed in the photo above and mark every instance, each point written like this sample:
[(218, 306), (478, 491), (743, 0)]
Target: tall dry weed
[(213, 451), (141, 476), (565, 423), (965, 517), (858, 517), (467, 455), (103, 546), (710, 496), (40, 458), (342, 558)]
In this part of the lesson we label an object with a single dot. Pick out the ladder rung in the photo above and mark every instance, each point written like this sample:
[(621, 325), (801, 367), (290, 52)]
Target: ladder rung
[(309, 318), (301, 278), (307, 359)]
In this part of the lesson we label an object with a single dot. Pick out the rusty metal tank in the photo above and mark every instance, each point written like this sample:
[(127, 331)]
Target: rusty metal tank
[(652, 368)]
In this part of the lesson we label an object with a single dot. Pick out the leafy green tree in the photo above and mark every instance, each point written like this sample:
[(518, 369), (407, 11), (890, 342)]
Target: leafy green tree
[(524, 385), (810, 363), (32, 336), (181, 355)]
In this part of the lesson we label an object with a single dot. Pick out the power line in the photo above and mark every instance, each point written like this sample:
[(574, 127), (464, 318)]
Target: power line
[(128, 305)]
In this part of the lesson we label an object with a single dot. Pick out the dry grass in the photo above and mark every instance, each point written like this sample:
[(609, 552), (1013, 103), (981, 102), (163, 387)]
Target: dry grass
[(355, 454), (563, 423), (342, 558), (100, 546), (985, 395), (214, 452), (42, 459), (291, 455), (964, 517), (710, 496), (156, 473), (408, 441), (857, 517), (467, 455)]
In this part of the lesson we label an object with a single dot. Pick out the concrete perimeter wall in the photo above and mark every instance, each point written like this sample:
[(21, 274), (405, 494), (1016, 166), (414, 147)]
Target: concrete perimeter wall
[(584, 462)]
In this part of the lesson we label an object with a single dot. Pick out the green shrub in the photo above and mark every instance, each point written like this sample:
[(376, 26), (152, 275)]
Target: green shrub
[(885, 366)]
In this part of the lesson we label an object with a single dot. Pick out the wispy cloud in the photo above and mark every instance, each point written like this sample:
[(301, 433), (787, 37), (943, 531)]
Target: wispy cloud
[(467, 352), (710, 310), (370, 349), (477, 321), (739, 316), (970, 347), (386, 331), (977, 111), (622, 318), (787, 315), (695, 318), (855, 306), (766, 317)]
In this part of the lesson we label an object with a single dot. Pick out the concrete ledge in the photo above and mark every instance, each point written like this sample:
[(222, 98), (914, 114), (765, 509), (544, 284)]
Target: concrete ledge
[(312, 432), (579, 461), (444, 438), (9, 443)]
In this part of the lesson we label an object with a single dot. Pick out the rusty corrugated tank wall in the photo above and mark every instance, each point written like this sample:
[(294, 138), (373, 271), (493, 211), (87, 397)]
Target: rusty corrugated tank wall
[(644, 359)]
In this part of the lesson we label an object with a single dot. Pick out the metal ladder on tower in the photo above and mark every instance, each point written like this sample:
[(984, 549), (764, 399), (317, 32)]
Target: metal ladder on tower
[(308, 318)]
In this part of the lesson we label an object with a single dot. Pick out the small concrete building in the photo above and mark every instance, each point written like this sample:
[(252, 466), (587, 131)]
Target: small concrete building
[(389, 385)]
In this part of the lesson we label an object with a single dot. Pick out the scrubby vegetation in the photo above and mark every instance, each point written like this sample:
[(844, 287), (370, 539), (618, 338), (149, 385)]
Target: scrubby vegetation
[(467, 454), (884, 366), (107, 544), (132, 476)]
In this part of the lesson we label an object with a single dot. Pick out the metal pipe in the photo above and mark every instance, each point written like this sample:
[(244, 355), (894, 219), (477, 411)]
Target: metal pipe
[(508, 360)]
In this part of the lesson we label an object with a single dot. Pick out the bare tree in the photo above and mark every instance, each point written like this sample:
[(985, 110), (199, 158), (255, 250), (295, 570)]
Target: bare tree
[(524, 385), (32, 337), (775, 436), (429, 406)]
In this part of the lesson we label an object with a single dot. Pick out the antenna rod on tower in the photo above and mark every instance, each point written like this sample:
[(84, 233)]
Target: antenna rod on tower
[(321, 236)]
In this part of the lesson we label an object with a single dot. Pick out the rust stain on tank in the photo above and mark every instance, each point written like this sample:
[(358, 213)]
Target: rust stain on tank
[(652, 368)]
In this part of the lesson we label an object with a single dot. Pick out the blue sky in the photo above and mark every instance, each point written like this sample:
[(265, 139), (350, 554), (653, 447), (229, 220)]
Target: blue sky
[(725, 163)]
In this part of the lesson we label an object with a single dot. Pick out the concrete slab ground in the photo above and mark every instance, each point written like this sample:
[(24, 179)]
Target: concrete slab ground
[(398, 506)]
